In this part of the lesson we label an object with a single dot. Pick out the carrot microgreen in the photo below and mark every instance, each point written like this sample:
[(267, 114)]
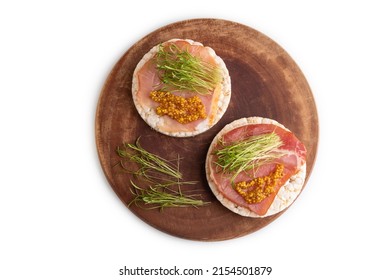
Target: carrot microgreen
[(248, 154), (180, 70), (160, 174)]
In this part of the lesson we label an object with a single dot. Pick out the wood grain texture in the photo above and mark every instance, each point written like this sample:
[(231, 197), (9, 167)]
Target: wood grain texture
[(266, 82)]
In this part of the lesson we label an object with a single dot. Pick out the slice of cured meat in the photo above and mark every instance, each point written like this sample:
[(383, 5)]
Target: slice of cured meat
[(147, 78), (292, 156)]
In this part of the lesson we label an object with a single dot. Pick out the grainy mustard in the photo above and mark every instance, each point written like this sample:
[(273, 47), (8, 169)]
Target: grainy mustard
[(181, 109), (254, 191)]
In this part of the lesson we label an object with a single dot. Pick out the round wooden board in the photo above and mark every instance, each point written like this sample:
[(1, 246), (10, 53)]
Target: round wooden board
[(266, 82)]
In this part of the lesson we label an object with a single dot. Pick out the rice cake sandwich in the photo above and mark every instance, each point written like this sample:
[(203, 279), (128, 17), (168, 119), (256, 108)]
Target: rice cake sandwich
[(256, 167), (181, 88)]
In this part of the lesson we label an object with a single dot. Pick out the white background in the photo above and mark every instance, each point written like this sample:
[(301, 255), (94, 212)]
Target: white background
[(59, 218)]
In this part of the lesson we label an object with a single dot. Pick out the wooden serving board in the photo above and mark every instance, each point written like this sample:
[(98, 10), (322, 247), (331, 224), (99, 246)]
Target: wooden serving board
[(266, 82)]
